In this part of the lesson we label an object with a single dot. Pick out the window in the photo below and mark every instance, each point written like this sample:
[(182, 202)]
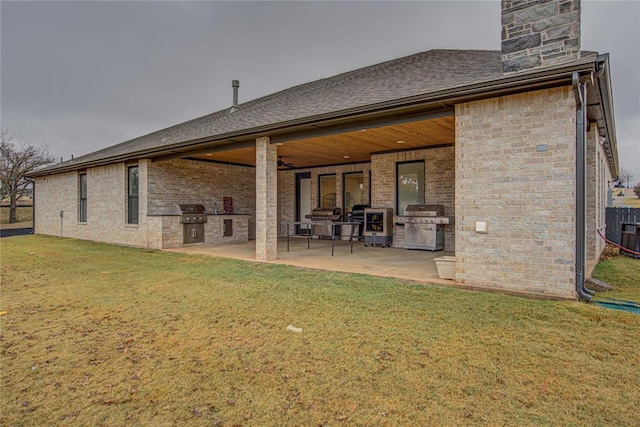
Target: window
[(327, 191), (132, 195), (409, 185), (82, 197), (353, 189)]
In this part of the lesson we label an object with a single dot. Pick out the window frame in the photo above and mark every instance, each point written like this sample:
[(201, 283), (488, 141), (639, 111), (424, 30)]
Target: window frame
[(83, 192), (335, 177), (345, 205), (133, 200), (424, 179)]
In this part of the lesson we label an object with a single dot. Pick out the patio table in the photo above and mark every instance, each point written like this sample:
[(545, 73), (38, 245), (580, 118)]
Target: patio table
[(332, 224)]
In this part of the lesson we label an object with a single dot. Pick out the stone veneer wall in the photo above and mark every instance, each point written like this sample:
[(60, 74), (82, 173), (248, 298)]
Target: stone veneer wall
[(538, 34), (598, 178), (190, 181), (439, 186), (106, 206), (515, 170)]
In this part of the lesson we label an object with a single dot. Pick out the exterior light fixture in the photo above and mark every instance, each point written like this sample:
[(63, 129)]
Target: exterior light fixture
[(209, 154), (400, 142)]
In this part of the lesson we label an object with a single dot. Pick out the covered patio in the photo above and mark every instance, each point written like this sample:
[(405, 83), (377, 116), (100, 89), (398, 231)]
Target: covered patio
[(367, 146), (370, 147), (385, 262)]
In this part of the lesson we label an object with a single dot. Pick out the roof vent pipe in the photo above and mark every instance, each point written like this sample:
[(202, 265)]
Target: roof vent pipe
[(235, 84)]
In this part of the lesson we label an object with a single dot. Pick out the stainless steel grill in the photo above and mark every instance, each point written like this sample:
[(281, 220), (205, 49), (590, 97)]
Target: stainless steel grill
[(193, 218), (426, 214), (324, 214), (424, 227), (192, 214)]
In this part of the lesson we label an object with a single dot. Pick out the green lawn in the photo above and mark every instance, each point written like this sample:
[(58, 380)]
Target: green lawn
[(625, 273), (104, 335)]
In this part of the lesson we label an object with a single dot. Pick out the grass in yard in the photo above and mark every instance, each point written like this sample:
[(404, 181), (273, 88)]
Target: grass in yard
[(104, 335), (632, 202), (624, 273)]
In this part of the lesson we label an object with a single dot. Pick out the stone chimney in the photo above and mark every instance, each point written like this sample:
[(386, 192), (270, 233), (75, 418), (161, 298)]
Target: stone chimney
[(539, 33)]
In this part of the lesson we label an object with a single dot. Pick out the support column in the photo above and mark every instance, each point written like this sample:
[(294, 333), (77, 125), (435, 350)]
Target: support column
[(266, 200)]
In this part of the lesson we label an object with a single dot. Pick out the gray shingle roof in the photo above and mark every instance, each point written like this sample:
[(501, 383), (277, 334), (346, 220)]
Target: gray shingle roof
[(414, 75)]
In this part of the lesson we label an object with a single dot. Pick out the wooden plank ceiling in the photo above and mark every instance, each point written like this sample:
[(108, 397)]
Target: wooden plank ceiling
[(349, 147)]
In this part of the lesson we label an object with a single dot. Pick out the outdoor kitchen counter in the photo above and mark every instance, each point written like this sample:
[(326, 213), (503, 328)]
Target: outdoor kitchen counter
[(219, 228), (226, 228)]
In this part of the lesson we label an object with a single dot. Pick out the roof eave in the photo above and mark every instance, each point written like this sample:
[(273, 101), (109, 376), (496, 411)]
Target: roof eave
[(606, 97), (515, 83)]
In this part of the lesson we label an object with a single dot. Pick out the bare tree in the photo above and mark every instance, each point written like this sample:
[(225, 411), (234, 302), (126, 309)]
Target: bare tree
[(625, 175), (15, 163)]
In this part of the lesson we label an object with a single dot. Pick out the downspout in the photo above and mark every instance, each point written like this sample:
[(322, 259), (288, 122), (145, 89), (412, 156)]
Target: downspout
[(33, 204), (579, 91)]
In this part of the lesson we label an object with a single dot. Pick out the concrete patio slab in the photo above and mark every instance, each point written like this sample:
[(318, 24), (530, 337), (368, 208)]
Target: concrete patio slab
[(398, 263)]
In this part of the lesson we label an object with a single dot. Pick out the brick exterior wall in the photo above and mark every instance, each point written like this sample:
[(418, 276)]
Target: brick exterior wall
[(537, 34), (598, 178), (287, 198), (439, 185), (190, 181), (515, 170), (161, 186), (106, 206), (287, 189)]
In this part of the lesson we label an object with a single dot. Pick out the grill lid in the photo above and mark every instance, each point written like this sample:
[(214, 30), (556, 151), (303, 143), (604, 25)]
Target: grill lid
[(325, 211), (192, 213), (424, 210), (191, 208), (325, 214), (359, 209)]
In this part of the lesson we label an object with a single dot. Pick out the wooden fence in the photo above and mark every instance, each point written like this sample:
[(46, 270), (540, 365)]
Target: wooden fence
[(616, 216)]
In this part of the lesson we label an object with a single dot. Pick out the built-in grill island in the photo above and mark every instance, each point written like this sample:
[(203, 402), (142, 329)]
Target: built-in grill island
[(424, 227), (324, 214), (193, 218)]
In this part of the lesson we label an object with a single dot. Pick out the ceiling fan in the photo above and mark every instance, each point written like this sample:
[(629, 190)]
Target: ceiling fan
[(283, 164)]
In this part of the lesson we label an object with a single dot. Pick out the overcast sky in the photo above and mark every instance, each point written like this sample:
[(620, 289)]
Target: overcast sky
[(80, 76)]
